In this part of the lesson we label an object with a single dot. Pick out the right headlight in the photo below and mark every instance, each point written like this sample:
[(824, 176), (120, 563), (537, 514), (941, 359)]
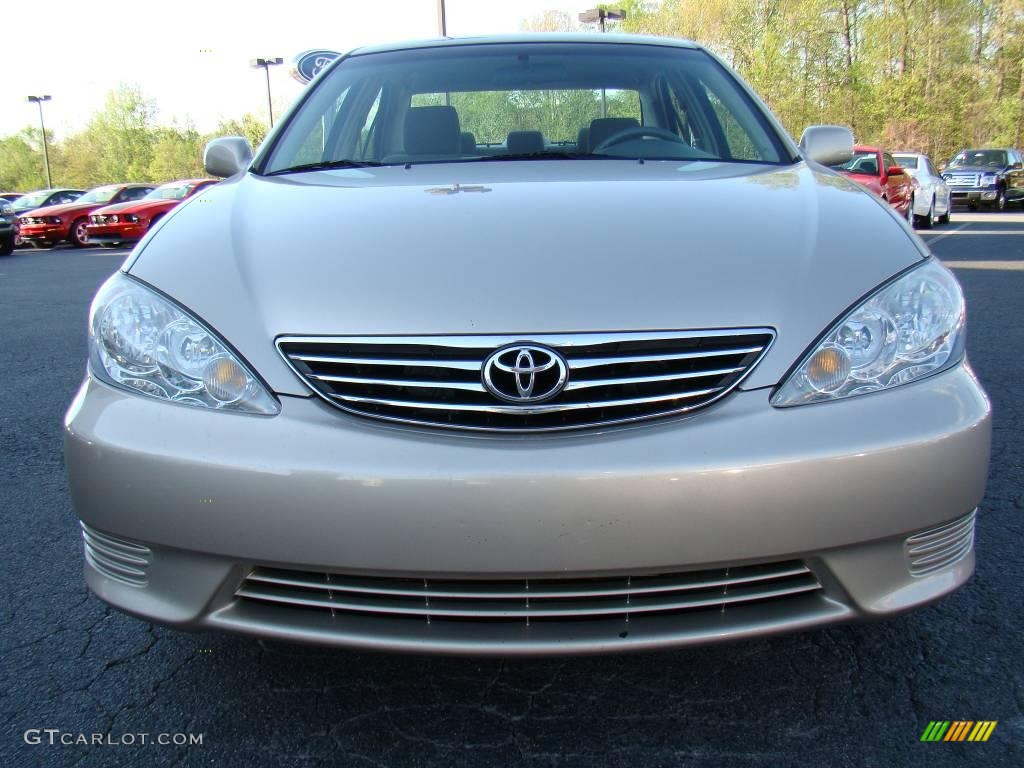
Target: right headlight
[(909, 328), (143, 342)]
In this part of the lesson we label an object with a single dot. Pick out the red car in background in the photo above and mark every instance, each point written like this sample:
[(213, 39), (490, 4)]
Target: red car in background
[(128, 222), (876, 169), (56, 223)]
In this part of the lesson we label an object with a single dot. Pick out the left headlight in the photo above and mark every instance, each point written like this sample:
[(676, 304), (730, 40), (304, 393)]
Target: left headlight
[(139, 340), (909, 328)]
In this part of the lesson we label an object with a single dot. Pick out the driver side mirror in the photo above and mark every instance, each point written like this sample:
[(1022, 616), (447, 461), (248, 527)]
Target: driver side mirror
[(827, 144), (895, 170), (227, 156)]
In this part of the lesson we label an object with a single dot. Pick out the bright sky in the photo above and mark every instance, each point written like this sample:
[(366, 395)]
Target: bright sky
[(192, 56)]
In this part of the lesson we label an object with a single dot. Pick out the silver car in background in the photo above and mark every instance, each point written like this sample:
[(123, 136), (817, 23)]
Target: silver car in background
[(932, 201), (528, 345)]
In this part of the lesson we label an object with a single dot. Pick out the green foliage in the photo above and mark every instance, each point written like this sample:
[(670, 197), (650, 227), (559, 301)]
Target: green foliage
[(121, 142), (930, 75)]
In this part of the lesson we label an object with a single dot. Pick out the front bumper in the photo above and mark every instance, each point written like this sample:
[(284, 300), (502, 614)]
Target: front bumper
[(41, 233), (837, 487), (973, 195), (119, 233)]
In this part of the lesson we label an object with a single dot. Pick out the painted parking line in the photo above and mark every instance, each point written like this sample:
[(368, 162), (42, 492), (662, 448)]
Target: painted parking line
[(936, 239), (1013, 266)]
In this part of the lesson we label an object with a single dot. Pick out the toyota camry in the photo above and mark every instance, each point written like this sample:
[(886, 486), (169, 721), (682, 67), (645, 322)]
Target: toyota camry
[(528, 345)]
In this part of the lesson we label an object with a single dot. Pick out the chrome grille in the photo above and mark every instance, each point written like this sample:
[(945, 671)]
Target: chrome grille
[(937, 548), (116, 558), (612, 377), (526, 600), (963, 180)]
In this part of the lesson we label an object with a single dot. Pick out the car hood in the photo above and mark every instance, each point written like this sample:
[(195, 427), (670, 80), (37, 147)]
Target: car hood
[(975, 169), (65, 209), (526, 248), (138, 206)]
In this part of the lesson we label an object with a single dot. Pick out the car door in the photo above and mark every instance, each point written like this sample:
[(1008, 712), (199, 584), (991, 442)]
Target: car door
[(941, 190), (1015, 176), (897, 186)]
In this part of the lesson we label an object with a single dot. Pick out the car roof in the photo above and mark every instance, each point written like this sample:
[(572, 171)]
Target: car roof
[(527, 38)]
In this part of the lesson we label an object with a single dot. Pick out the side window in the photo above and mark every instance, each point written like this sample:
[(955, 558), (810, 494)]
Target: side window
[(887, 161), (312, 149), (929, 167)]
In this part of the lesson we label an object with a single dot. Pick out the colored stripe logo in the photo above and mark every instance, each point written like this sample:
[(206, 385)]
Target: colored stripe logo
[(959, 730)]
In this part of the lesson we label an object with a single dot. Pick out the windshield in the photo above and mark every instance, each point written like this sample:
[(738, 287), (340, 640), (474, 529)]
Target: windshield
[(907, 162), (170, 192), (985, 158), (98, 195), (862, 162), (473, 103), (32, 199)]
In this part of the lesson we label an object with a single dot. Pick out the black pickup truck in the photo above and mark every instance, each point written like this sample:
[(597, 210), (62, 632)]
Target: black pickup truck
[(990, 177)]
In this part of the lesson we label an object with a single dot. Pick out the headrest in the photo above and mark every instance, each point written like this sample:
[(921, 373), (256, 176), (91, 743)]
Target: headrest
[(468, 143), (583, 139), (604, 127), (432, 131), (525, 142)]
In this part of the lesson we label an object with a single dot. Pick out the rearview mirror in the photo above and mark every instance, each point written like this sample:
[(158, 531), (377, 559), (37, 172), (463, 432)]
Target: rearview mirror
[(227, 156), (827, 144)]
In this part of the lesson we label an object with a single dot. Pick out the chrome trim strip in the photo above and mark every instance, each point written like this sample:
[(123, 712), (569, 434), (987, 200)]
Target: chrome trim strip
[(470, 386), (527, 410), (588, 362), (649, 379), (462, 365)]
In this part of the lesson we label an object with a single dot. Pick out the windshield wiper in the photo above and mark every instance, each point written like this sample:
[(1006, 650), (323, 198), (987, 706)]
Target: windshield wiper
[(324, 165)]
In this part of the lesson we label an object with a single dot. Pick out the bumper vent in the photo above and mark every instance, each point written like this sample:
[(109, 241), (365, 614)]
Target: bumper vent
[(938, 548), (609, 378), (116, 558), (526, 600)]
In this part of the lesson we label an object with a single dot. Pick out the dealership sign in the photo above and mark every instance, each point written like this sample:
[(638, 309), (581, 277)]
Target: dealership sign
[(308, 64)]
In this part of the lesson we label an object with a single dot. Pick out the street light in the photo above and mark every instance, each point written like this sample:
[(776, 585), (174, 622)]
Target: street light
[(600, 14), (265, 65), (38, 101), (442, 20)]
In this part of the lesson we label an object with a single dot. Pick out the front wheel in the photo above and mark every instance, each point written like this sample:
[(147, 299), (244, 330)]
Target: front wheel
[(1000, 203), (79, 235), (7, 246), (910, 211), (928, 221)]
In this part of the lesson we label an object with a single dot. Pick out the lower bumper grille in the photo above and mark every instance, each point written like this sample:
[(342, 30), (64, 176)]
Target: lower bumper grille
[(116, 558), (938, 548), (528, 600)]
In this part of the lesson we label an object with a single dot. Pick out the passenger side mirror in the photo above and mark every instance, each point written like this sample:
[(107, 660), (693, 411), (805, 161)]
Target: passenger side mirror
[(895, 170), (827, 144), (227, 156), (1017, 166)]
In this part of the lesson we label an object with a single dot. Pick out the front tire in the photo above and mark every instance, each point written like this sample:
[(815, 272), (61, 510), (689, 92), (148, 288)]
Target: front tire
[(1000, 203), (928, 221), (7, 246), (78, 236)]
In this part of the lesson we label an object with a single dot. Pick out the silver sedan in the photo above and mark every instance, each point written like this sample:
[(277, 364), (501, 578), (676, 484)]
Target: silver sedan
[(932, 202), (528, 345)]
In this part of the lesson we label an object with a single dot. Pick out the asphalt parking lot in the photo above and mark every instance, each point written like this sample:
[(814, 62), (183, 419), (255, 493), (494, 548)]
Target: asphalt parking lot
[(856, 695)]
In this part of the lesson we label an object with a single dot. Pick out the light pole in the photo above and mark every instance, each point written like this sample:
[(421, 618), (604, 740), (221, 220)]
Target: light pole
[(38, 101), (600, 14), (265, 65), (442, 22)]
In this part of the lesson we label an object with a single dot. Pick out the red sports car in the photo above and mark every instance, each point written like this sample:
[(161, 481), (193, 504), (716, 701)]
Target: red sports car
[(56, 223), (128, 222), (876, 169)]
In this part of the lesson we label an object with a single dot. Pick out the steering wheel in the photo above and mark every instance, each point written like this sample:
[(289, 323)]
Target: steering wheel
[(638, 133)]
